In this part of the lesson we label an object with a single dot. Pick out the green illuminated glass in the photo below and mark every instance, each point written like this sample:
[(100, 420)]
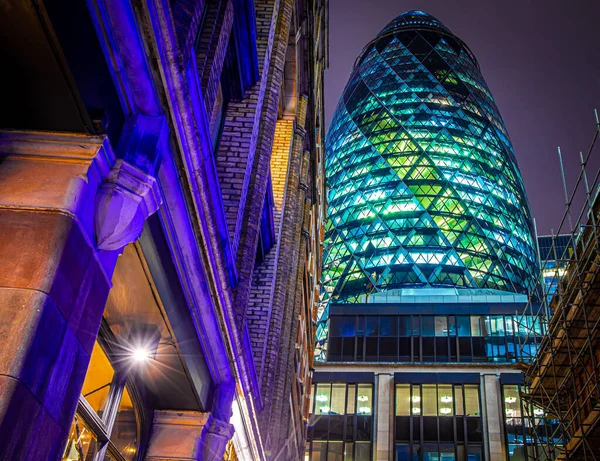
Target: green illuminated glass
[(423, 184)]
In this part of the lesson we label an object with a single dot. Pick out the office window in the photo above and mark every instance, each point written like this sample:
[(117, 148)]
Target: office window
[(437, 422), (340, 425), (107, 402), (519, 416), (432, 338)]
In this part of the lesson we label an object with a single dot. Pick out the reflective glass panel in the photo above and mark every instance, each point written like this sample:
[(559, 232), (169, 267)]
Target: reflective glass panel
[(124, 434), (364, 399), (81, 444), (98, 379)]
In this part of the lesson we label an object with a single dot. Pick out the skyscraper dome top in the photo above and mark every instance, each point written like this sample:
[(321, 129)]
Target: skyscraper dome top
[(414, 19)]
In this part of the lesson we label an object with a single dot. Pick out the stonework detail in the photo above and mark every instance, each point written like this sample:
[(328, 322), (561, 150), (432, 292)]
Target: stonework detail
[(124, 201)]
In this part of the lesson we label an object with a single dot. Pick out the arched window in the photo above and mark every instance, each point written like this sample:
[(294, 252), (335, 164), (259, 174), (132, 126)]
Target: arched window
[(106, 426)]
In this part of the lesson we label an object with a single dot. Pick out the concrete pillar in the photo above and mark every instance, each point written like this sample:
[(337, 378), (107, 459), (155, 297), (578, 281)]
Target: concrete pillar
[(491, 397), (384, 412), (54, 281)]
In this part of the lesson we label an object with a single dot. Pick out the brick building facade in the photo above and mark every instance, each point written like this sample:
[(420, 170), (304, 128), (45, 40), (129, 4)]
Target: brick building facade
[(161, 207)]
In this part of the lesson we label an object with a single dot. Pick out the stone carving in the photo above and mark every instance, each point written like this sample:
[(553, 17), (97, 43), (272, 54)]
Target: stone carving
[(124, 201)]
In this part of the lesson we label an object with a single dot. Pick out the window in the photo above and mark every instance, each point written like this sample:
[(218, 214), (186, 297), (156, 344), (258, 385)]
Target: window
[(340, 426), (518, 417), (437, 422), (432, 338), (106, 406)]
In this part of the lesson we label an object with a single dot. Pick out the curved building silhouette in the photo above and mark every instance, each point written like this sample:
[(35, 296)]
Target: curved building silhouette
[(424, 186), (429, 258)]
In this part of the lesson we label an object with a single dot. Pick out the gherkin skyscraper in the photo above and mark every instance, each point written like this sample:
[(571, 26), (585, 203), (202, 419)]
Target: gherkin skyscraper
[(424, 187), (429, 263)]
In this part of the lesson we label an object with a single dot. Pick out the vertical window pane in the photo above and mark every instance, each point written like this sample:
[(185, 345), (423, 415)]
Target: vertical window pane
[(98, 378), (402, 452), (512, 401), (463, 325), (348, 452), (441, 325), (472, 400), (427, 325), (459, 406), (365, 399), (82, 444), (363, 451), (474, 453), (323, 399), (416, 325), (403, 400), (416, 400), (451, 326), (445, 400), (372, 326), (404, 325), (319, 451), (124, 432), (338, 398), (351, 408), (388, 326), (476, 325), (335, 451), (429, 400)]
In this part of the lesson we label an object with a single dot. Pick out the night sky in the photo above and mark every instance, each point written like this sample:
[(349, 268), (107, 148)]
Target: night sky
[(540, 58)]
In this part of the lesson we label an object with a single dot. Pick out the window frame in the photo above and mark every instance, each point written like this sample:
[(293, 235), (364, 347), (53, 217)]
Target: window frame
[(102, 426)]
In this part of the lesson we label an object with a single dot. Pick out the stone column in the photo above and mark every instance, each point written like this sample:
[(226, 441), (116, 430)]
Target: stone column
[(384, 401), (185, 435), (53, 279), (491, 398)]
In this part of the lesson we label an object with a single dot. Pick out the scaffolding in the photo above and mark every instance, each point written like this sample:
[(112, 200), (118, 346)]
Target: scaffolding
[(561, 389)]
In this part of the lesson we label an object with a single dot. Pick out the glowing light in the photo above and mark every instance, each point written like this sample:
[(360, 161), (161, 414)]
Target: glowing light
[(510, 399), (446, 399), (416, 410), (363, 398), (416, 399), (445, 411), (324, 409), (321, 398), (141, 355), (364, 410)]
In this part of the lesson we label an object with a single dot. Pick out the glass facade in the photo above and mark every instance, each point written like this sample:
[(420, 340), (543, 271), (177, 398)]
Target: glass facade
[(440, 422), (555, 252), (340, 426), (433, 338), (518, 418), (423, 185)]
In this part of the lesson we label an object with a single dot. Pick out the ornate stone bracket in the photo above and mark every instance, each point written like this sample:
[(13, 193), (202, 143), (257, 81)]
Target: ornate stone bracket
[(214, 438), (126, 198)]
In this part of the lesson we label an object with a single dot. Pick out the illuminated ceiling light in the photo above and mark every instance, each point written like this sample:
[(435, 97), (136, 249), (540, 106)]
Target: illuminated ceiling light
[(510, 412), (538, 412), (510, 399), (445, 411), (324, 409), (446, 399), (141, 355), (364, 410), (363, 398), (322, 398), (416, 399), (416, 410)]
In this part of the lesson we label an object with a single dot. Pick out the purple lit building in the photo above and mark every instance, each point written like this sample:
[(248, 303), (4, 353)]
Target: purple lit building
[(161, 207)]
